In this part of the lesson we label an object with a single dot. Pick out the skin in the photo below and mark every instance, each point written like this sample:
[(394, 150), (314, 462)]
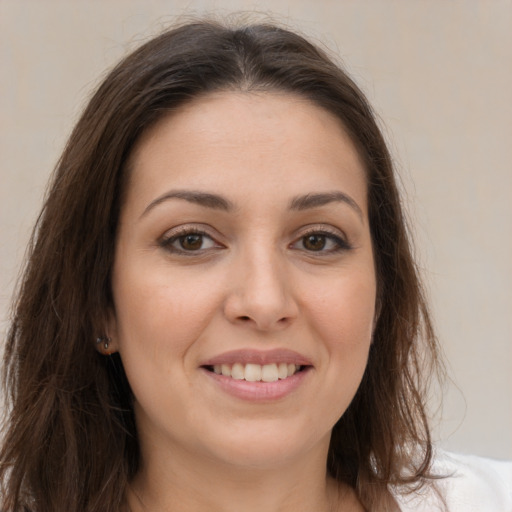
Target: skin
[(253, 280)]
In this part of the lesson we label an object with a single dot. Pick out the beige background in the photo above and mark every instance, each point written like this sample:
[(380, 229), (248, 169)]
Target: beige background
[(440, 75)]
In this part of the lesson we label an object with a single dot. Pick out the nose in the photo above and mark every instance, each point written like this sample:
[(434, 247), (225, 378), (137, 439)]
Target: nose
[(261, 293)]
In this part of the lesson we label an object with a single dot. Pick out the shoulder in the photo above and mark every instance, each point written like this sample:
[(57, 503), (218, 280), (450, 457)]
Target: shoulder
[(470, 484)]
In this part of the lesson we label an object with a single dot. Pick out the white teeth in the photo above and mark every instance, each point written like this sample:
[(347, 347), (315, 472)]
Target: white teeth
[(252, 372), (255, 372), (282, 371), (238, 371), (269, 373)]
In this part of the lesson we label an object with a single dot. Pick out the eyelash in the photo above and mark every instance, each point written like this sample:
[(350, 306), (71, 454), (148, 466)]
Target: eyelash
[(167, 241), (340, 244)]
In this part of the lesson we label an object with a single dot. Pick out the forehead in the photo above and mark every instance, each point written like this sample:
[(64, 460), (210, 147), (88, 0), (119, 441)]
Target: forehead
[(248, 141)]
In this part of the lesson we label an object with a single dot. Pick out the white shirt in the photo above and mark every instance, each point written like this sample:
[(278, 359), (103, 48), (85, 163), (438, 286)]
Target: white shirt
[(473, 484)]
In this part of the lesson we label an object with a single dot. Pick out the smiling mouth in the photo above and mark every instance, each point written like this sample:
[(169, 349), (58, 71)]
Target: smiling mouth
[(251, 372)]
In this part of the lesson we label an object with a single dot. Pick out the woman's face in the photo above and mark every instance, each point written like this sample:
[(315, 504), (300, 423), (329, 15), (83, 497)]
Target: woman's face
[(243, 283)]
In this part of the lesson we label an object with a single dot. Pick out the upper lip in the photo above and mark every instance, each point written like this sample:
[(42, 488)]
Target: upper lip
[(261, 357)]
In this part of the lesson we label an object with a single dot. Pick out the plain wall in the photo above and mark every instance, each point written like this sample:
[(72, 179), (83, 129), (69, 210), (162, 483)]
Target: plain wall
[(439, 74)]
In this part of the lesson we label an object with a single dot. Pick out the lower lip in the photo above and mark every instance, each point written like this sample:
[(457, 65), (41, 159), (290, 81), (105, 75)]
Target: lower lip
[(258, 391)]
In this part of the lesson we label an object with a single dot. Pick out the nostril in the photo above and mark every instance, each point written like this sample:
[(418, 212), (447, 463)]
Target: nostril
[(244, 318)]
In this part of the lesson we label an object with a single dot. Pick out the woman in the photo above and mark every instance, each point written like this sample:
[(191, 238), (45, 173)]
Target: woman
[(220, 309)]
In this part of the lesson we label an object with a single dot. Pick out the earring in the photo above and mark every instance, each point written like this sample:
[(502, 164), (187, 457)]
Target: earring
[(105, 340)]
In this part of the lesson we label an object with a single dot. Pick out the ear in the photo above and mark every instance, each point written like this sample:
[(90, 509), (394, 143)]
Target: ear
[(106, 341)]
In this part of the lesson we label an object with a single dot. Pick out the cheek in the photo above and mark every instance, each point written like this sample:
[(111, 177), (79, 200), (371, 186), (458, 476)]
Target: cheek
[(161, 314), (342, 317), (159, 319), (343, 311)]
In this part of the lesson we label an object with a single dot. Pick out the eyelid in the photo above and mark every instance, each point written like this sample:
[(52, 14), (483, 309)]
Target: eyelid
[(331, 232), (336, 235), (173, 234)]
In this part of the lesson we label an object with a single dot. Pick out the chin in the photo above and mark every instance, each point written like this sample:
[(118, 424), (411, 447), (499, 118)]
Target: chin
[(264, 447)]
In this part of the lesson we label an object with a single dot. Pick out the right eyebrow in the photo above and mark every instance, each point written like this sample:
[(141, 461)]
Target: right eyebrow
[(204, 199)]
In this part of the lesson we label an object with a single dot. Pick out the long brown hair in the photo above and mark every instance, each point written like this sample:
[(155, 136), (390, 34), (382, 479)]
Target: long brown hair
[(70, 441)]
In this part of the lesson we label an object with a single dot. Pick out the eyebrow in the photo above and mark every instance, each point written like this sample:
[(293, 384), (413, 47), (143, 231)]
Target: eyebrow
[(308, 201), (217, 202), (204, 199)]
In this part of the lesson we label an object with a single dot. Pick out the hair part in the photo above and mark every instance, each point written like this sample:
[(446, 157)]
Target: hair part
[(71, 441)]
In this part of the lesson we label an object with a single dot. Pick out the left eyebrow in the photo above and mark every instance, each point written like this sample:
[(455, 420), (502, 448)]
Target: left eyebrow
[(316, 200)]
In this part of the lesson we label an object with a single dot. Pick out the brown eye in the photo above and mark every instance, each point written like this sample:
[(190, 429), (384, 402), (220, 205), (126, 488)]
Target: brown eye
[(191, 242), (314, 242), (321, 242), (188, 242)]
